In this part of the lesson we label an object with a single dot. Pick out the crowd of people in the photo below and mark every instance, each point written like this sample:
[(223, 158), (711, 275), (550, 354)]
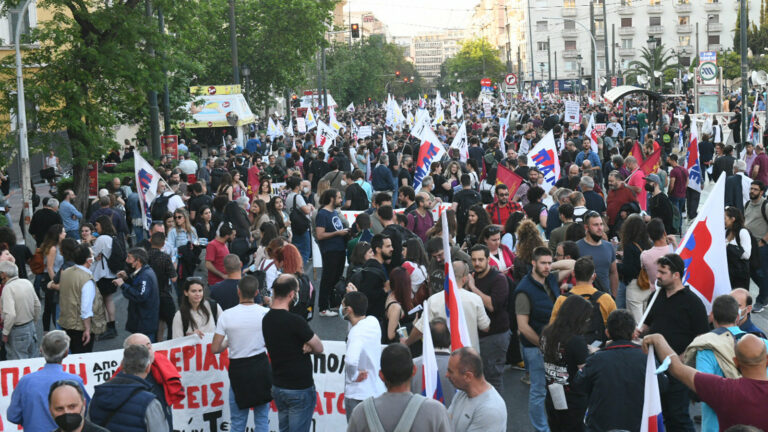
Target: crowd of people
[(553, 282)]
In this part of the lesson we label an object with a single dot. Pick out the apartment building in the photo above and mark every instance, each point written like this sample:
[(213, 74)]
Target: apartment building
[(430, 51), (502, 24)]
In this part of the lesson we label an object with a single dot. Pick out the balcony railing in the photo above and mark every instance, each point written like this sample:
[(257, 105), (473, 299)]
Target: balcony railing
[(657, 29), (684, 28), (569, 11), (626, 10), (570, 53), (624, 31), (626, 52), (655, 9), (713, 7), (684, 7), (714, 27)]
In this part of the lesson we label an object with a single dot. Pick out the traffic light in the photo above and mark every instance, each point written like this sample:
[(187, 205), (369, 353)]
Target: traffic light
[(355, 28), (405, 80), (295, 102), (397, 74)]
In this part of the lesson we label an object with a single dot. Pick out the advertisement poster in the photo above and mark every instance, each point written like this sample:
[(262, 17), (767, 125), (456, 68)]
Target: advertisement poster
[(93, 179), (170, 144)]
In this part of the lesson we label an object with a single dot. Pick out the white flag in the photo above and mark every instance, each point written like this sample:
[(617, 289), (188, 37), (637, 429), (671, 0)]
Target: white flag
[(384, 142), (272, 130), (147, 179), (289, 129), (460, 108), (592, 132), (351, 107), (310, 121), (544, 156), (430, 150), (325, 136), (460, 142)]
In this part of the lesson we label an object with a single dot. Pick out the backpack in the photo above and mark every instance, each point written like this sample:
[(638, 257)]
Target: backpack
[(299, 221), (677, 219), (490, 160), (159, 207), (214, 314), (116, 259), (306, 298), (596, 329), (37, 262), (261, 275)]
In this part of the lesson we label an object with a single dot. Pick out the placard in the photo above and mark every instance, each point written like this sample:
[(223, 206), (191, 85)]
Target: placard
[(572, 111)]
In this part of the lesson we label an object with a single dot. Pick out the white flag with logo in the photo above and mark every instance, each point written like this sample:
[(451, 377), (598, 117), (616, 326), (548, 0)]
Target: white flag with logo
[(325, 136), (544, 157), (351, 107), (460, 142), (147, 180), (310, 120)]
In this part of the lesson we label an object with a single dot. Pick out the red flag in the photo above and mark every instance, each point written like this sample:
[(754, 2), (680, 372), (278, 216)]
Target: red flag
[(651, 165), (505, 176), (637, 152)]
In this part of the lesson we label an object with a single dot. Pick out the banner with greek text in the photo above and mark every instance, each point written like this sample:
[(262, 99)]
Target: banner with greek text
[(205, 380)]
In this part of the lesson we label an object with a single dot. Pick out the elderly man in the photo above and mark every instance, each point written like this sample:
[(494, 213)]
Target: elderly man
[(21, 310), (29, 400), (82, 308)]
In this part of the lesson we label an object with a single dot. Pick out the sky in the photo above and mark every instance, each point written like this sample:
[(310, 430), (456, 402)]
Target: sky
[(414, 17)]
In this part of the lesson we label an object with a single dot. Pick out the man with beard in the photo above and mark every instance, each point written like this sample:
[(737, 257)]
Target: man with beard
[(331, 234), (588, 154), (521, 195), (493, 290), (374, 276), (502, 208), (756, 221), (602, 254), (679, 315), (535, 297)]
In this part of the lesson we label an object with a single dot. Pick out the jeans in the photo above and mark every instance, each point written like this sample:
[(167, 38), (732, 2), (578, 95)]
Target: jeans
[(621, 296), (295, 408), (494, 349), (537, 395), (674, 405), (643, 132), (333, 269), (349, 406), (304, 245), (138, 234), (762, 296), (22, 342), (73, 234), (239, 417)]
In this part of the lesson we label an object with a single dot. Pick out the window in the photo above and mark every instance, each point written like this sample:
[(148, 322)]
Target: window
[(570, 45), (655, 2), (626, 3), (713, 18), (541, 26), (542, 46), (713, 40), (599, 26), (571, 66), (683, 20), (626, 43), (13, 16), (626, 22), (654, 21), (684, 40), (569, 25), (600, 64), (685, 61), (569, 3)]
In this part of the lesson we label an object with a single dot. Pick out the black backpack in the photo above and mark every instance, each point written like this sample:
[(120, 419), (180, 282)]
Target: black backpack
[(261, 276), (214, 314), (159, 207), (306, 298), (116, 259), (596, 329), (299, 221)]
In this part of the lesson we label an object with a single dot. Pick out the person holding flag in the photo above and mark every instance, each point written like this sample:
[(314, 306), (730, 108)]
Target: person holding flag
[(477, 405)]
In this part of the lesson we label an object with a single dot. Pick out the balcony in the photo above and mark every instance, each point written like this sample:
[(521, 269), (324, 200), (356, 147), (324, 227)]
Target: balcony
[(569, 11), (714, 28), (714, 47), (654, 30), (570, 53), (684, 28), (570, 33), (600, 34), (655, 9), (683, 7), (598, 9), (626, 10), (713, 7), (626, 31), (626, 52)]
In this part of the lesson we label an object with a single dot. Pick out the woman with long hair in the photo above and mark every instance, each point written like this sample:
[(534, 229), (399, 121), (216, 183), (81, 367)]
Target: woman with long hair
[(437, 228), (268, 233), (102, 274), (637, 299), (182, 233), (204, 224), (289, 260), (509, 239), (265, 189), (238, 187), (528, 239), (472, 170), (634, 240), (225, 186), (269, 265), (53, 260), (398, 303), (565, 353), (500, 256), (738, 247), (258, 215), (416, 264), (477, 220), (278, 215), (536, 210), (360, 254), (453, 174), (196, 314), (168, 221), (86, 234)]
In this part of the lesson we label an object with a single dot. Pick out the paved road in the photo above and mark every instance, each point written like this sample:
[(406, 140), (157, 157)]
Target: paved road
[(334, 328)]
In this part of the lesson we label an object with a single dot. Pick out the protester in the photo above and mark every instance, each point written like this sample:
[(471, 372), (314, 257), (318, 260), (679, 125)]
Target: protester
[(477, 405), (141, 291), (197, 315), (102, 273), (330, 234), (82, 313)]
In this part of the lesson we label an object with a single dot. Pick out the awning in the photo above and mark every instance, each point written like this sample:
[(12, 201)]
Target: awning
[(220, 110), (619, 92)]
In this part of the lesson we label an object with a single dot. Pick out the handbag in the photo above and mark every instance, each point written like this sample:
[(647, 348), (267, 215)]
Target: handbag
[(299, 221), (642, 280)]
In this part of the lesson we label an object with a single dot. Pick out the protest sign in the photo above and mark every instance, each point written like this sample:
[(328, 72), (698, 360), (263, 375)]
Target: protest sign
[(572, 111)]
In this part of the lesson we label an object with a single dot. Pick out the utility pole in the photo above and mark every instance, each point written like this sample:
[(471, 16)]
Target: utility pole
[(233, 43), (549, 61), (555, 65), (594, 48), (21, 116), (605, 35), (509, 42), (519, 71), (154, 111), (166, 97), (744, 103), (530, 39), (319, 78), (325, 92), (697, 40), (613, 49)]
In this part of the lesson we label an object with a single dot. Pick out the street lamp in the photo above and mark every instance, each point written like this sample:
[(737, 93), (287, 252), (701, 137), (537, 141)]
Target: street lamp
[(246, 72), (579, 58), (541, 66), (21, 117)]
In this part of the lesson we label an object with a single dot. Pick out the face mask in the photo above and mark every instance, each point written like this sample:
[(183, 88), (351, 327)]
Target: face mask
[(296, 299), (305, 190), (649, 187), (343, 183), (341, 313), (741, 316), (69, 422)]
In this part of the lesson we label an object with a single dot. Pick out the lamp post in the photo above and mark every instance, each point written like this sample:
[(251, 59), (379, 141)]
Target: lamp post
[(21, 115), (541, 67), (245, 70), (579, 58), (652, 45)]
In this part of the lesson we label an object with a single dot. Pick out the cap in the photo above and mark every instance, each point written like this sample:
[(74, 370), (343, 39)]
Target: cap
[(103, 192), (653, 178)]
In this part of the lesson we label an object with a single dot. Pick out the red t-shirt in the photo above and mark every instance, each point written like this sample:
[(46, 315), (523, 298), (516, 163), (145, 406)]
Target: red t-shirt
[(762, 173), (215, 253), (616, 199), (680, 175), (637, 179), (735, 401)]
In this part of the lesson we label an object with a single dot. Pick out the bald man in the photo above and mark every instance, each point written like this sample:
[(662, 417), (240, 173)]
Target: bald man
[(739, 401), (744, 321)]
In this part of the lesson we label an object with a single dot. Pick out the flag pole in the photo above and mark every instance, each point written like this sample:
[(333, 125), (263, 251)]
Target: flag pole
[(648, 309)]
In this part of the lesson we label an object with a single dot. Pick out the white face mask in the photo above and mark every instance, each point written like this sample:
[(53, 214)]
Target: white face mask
[(343, 183), (305, 190)]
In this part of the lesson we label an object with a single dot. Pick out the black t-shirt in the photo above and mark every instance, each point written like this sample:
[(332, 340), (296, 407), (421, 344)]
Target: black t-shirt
[(21, 254), (357, 196), (659, 206), (465, 199), (522, 171), (197, 202), (438, 180), (679, 318), (404, 174), (225, 293), (564, 370), (285, 334)]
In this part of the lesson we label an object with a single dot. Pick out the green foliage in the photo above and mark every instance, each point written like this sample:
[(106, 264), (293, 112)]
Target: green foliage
[(367, 69), (730, 61), (476, 60), (658, 59)]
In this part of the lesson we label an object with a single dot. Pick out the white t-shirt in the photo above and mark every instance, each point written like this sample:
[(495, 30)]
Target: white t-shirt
[(272, 273), (242, 327), (363, 353), (174, 202), (102, 246), (188, 166)]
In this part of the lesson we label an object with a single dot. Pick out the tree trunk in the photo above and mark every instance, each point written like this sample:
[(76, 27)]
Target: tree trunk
[(80, 186)]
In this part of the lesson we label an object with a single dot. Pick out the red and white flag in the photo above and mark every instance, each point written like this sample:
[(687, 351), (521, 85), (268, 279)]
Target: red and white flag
[(592, 133), (651, 420), (456, 321), (430, 375)]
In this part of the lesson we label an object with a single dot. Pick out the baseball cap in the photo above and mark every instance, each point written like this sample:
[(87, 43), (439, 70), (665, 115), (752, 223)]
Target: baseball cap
[(103, 192), (653, 178)]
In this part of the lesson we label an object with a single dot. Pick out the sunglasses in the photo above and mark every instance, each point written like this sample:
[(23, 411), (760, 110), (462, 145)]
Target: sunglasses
[(178, 217)]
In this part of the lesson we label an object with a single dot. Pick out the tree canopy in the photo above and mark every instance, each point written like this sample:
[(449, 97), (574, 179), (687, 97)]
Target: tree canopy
[(477, 59)]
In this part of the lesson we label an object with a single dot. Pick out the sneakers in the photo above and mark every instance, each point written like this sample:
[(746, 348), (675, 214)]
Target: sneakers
[(526, 379), (758, 307), (328, 313), (519, 366)]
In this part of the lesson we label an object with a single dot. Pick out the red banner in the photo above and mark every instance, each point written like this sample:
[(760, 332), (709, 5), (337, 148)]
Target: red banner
[(93, 179), (170, 145), (505, 176)]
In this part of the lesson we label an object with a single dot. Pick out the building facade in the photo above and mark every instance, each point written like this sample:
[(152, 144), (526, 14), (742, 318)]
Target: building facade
[(502, 24), (430, 51)]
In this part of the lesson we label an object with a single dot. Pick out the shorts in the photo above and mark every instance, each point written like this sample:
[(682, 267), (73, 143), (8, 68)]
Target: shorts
[(106, 287), (167, 309)]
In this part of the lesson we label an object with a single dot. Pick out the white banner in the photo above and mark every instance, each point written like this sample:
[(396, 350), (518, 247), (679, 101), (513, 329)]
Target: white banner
[(301, 125), (572, 111), (364, 132), (205, 380)]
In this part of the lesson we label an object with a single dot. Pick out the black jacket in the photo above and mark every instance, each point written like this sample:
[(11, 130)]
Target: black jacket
[(614, 381), (371, 283), (734, 194)]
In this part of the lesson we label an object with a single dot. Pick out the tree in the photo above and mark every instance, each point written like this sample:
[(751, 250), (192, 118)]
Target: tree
[(654, 60), (730, 62), (477, 59)]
